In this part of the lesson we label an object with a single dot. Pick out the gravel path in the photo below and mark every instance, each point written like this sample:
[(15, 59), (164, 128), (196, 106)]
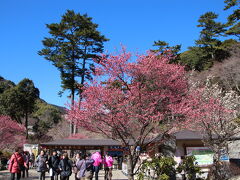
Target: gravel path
[(117, 175)]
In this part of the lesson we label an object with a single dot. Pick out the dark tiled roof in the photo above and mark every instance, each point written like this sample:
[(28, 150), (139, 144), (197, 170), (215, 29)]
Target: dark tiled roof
[(83, 142), (188, 135), (181, 135)]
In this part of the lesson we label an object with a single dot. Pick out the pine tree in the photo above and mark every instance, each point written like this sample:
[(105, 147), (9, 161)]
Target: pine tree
[(209, 33), (163, 46), (28, 94), (73, 45), (233, 23)]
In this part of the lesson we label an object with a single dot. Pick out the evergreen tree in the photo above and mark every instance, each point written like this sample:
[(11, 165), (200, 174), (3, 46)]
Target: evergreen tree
[(28, 94), (163, 46), (233, 23), (47, 117), (163, 49), (5, 84), (195, 58), (18, 102), (230, 3), (209, 33), (10, 105), (73, 42)]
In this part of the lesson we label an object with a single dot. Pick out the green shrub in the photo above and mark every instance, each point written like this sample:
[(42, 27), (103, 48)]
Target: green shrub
[(162, 168), (189, 167)]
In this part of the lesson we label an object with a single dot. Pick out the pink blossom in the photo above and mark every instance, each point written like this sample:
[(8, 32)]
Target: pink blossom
[(130, 99), (11, 133)]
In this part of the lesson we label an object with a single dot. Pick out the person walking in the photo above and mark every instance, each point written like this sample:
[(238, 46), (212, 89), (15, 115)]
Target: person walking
[(53, 163), (65, 167), (32, 161), (108, 164), (41, 163), (97, 162), (76, 160), (89, 167), (16, 163), (26, 164)]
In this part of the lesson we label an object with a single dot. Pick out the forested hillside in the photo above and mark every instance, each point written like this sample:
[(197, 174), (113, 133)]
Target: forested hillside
[(39, 117)]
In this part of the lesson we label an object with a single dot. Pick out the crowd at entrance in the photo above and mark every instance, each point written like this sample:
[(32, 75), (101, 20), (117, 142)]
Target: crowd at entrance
[(60, 166)]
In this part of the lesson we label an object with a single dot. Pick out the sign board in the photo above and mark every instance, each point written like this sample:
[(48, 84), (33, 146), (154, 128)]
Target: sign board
[(31, 148), (224, 157), (203, 155)]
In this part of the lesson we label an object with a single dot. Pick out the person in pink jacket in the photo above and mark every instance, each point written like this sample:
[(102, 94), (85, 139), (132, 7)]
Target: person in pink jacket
[(97, 162), (108, 164), (15, 162)]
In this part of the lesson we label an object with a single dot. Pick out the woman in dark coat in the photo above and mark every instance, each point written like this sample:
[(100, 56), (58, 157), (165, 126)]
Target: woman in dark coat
[(65, 167), (53, 163), (41, 163)]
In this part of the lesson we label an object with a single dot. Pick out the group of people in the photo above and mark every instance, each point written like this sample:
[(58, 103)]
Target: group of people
[(87, 166), (83, 166)]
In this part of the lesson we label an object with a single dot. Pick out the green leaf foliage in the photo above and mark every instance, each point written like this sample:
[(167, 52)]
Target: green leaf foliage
[(18, 101), (209, 33), (199, 58), (163, 48), (28, 95), (196, 58), (10, 104), (47, 113), (233, 23), (230, 3), (163, 168), (209, 48), (5, 84), (48, 116), (189, 167)]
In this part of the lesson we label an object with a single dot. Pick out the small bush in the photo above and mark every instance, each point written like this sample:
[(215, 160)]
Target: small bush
[(189, 167), (162, 168)]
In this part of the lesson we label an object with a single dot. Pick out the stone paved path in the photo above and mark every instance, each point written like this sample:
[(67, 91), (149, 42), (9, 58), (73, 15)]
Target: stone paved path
[(117, 175)]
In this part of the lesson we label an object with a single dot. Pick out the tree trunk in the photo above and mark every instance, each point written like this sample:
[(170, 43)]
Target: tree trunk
[(71, 123), (130, 168), (220, 169), (75, 129), (26, 124)]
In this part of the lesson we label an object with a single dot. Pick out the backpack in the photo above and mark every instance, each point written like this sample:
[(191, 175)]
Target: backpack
[(66, 168)]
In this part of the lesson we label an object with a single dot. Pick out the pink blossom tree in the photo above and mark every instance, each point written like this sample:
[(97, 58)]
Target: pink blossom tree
[(214, 112), (132, 101), (12, 134)]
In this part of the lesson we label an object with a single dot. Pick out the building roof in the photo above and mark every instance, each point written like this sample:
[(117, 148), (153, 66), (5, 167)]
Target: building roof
[(188, 135), (181, 135), (82, 142)]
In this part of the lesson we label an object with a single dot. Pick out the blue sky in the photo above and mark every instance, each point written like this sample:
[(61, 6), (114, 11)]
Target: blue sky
[(134, 23)]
